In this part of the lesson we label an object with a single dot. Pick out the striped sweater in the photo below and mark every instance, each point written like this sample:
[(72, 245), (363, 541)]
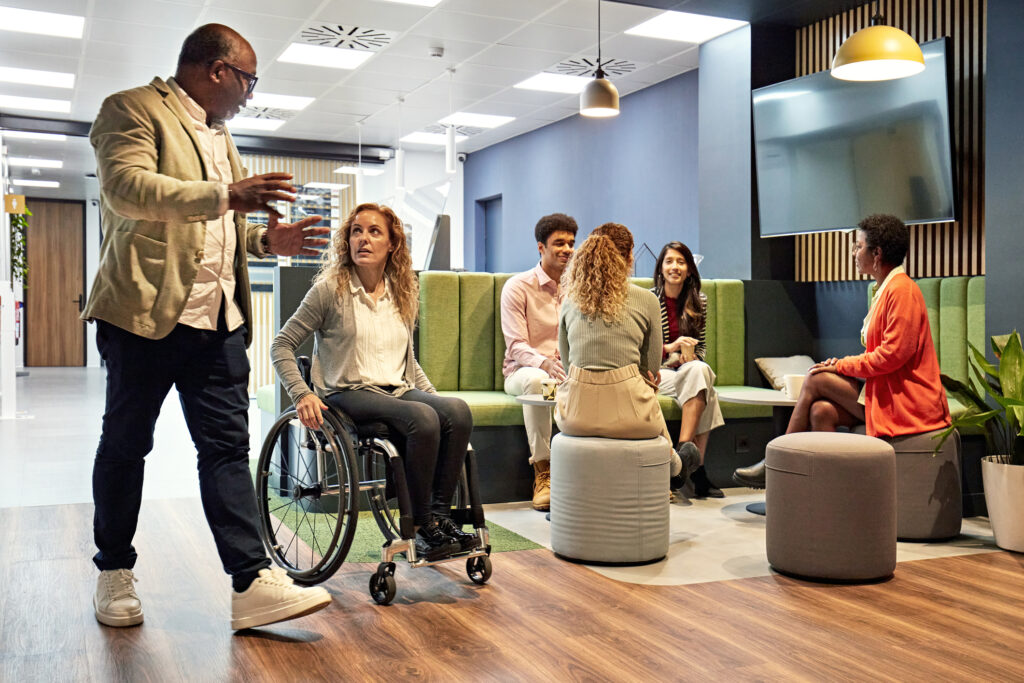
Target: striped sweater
[(701, 347)]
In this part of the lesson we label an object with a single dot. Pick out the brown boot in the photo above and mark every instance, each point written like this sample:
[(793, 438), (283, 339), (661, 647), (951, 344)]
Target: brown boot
[(542, 485)]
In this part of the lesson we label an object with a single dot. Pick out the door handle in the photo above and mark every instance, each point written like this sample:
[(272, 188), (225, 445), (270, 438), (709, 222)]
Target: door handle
[(80, 301)]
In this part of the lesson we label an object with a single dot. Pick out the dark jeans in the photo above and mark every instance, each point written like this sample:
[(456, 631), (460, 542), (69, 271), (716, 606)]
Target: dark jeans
[(431, 432), (210, 371)]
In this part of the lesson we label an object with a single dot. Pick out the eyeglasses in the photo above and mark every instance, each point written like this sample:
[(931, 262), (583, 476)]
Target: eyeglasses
[(250, 78)]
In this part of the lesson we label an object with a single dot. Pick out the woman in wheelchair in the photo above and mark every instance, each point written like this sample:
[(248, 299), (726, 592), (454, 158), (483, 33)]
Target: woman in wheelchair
[(361, 310)]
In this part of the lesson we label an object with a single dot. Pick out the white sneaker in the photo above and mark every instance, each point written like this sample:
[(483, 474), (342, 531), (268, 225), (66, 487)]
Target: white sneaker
[(116, 602), (274, 597)]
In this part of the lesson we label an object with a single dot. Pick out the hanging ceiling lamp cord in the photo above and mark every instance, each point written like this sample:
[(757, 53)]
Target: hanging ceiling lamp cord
[(877, 19), (600, 72)]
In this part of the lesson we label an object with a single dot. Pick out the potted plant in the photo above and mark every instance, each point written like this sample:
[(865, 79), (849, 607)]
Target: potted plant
[(1002, 471)]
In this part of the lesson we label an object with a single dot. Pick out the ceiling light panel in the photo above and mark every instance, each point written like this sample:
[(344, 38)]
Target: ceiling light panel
[(465, 118), (51, 79), (685, 27), (35, 183), (253, 123), (329, 57), (424, 138), (27, 135), (549, 82), (35, 104), (290, 102), (35, 163), (41, 23)]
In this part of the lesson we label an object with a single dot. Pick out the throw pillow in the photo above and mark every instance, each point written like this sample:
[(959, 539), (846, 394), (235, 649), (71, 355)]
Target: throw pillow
[(774, 369)]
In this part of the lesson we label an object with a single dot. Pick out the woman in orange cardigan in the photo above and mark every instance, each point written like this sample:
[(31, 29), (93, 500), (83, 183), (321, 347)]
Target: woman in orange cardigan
[(901, 392)]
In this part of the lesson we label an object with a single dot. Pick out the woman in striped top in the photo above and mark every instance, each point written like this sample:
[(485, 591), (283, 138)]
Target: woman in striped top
[(609, 340), (684, 374)]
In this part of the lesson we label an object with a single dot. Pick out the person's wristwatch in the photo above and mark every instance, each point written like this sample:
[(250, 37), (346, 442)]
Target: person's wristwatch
[(265, 242)]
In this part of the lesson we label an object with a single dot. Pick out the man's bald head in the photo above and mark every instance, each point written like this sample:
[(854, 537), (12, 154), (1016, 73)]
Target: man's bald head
[(211, 42)]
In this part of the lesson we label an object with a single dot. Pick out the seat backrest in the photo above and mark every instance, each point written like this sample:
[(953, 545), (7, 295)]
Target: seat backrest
[(461, 346)]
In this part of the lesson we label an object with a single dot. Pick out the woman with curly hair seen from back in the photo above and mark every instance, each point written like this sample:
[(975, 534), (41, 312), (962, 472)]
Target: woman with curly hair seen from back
[(361, 311), (684, 374), (609, 338)]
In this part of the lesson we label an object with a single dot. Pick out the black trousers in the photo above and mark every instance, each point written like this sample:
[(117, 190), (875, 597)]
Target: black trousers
[(210, 371), (431, 431)]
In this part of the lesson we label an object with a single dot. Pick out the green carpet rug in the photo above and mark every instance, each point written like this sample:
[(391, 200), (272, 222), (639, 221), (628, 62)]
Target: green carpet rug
[(315, 530)]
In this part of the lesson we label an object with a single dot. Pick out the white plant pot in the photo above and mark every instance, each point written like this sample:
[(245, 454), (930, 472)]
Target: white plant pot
[(1004, 497)]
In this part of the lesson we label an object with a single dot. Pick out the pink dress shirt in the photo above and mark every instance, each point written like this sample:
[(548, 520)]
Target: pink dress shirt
[(530, 303)]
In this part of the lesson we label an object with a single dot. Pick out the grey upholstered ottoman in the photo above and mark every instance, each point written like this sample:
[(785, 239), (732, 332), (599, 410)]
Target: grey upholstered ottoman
[(831, 506), (929, 505), (609, 499)]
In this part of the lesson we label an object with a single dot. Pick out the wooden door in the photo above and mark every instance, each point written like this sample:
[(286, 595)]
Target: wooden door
[(55, 245)]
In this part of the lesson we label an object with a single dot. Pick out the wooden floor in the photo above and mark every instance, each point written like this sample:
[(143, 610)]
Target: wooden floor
[(539, 619)]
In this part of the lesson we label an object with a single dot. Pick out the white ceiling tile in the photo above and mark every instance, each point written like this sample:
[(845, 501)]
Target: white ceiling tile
[(35, 44), (535, 98), (689, 58), (655, 73), (508, 57), (253, 25), (460, 26), (101, 55), (148, 13), (109, 31), (524, 10), (349, 108), (292, 8), (553, 38), (29, 60), (372, 14), (418, 46), (366, 79), (78, 8), (615, 16), (318, 76), (408, 67), (640, 49), (479, 74), (377, 96)]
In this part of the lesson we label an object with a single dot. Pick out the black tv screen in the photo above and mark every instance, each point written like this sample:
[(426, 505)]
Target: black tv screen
[(830, 152)]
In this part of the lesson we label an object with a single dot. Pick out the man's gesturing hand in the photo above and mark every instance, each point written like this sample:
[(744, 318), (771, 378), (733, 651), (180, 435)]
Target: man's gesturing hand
[(295, 239), (256, 192)]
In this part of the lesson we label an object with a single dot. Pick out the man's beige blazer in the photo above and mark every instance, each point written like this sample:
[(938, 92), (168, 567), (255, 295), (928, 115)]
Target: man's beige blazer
[(155, 199)]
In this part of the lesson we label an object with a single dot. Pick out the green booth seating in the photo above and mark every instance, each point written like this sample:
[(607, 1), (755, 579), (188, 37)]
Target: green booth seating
[(461, 347)]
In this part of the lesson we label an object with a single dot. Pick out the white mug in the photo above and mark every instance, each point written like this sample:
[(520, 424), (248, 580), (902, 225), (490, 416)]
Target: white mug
[(792, 385)]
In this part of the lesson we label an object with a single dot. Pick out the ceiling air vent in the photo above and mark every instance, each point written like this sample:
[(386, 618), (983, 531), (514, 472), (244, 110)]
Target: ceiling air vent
[(350, 37), (586, 66), (267, 113), (468, 131)]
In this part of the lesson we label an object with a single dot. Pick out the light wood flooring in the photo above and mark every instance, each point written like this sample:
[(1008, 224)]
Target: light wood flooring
[(957, 618)]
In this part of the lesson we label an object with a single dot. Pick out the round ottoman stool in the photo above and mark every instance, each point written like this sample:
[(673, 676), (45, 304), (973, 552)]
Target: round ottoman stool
[(831, 506), (929, 504), (609, 499)]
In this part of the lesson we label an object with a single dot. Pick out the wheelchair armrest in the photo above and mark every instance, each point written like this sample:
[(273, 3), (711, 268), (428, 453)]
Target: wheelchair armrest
[(305, 369)]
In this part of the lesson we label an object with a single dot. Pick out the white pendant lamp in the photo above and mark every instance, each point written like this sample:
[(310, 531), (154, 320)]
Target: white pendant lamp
[(878, 53), (600, 98)]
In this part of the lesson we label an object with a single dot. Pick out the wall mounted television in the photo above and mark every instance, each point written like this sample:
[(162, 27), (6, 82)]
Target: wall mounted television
[(830, 152)]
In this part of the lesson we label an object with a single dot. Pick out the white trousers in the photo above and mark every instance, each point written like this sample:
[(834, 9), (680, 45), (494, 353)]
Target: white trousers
[(536, 419)]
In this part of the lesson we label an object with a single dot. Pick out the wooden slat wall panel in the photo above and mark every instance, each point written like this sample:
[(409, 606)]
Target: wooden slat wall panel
[(263, 334), (936, 250)]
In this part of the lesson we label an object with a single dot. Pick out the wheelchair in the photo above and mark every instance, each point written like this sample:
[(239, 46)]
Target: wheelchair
[(311, 484)]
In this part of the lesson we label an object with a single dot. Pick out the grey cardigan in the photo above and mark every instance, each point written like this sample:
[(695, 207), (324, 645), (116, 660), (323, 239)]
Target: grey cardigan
[(330, 318)]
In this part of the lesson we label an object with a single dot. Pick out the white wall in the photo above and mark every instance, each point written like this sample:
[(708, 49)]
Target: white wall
[(92, 262), (420, 202)]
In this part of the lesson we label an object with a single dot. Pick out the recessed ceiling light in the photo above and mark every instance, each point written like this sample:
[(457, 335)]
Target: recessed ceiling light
[(35, 103), (42, 23), (326, 186), (422, 138), (251, 123), (464, 118), (292, 102), (365, 170), (26, 135), (35, 163), (35, 183), (548, 82), (330, 57), (52, 79), (421, 3), (685, 27)]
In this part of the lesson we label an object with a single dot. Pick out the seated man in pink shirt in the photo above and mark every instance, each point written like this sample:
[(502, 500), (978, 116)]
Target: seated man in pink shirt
[(529, 321)]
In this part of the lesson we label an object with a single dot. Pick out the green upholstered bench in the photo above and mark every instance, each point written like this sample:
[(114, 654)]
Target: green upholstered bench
[(461, 346)]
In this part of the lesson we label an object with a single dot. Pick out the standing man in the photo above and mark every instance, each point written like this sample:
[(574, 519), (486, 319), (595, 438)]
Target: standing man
[(172, 307), (529, 321)]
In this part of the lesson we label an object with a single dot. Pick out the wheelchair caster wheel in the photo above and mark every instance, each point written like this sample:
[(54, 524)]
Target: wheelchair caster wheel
[(382, 586), (479, 569)]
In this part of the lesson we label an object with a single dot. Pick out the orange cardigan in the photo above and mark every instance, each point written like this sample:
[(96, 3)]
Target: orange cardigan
[(903, 392)]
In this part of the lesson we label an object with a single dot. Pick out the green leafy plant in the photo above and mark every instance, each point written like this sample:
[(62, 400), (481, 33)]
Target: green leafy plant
[(1004, 384), (19, 258)]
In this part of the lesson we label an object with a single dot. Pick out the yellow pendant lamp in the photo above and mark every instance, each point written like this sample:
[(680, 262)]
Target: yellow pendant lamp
[(878, 53)]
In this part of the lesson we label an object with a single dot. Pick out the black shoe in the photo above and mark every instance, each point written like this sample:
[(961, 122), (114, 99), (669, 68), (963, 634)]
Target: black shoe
[(459, 537), (702, 486), (752, 476), (432, 544), (690, 456)]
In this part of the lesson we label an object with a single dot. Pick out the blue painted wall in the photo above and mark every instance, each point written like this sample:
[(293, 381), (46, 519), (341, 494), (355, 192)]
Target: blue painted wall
[(638, 169)]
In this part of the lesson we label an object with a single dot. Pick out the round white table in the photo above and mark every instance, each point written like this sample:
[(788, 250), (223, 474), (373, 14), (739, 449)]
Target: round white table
[(781, 404), (535, 400)]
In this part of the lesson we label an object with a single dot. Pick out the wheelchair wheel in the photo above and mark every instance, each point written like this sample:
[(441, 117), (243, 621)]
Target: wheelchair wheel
[(479, 569), (307, 490)]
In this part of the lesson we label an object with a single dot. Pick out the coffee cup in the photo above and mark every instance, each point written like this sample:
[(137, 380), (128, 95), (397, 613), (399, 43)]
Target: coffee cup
[(548, 388), (793, 384)]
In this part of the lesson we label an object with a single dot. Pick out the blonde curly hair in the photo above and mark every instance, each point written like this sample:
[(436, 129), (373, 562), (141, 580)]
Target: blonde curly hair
[(405, 287), (597, 278)]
